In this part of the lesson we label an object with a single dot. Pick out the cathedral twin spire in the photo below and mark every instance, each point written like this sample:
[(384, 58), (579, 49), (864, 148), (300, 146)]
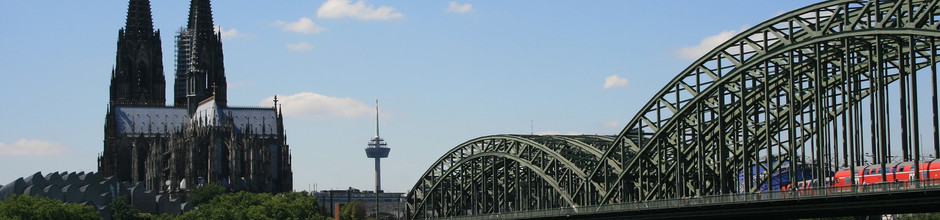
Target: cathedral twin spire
[(200, 72), (138, 77)]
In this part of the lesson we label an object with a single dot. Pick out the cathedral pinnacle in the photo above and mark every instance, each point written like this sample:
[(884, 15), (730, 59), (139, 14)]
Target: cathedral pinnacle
[(200, 17), (139, 19)]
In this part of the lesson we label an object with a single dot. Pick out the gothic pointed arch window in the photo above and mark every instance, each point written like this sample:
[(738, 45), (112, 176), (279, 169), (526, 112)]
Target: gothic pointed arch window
[(192, 82), (142, 74)]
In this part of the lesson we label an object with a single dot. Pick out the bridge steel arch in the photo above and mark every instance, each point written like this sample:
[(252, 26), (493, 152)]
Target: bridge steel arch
[(791, 89), (800, 88), (833, 85), (506, 173)]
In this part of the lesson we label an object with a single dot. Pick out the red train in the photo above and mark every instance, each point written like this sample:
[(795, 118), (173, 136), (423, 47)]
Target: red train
[(872, 174), (893, 172)]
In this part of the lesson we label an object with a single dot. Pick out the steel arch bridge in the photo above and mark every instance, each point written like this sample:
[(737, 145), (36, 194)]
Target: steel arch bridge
[(833, 85)]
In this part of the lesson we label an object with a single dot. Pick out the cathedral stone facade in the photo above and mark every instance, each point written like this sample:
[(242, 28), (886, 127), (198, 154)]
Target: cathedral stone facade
[(199, 139)]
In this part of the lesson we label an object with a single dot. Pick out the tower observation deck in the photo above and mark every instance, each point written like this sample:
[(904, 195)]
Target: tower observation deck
[(377, 149)]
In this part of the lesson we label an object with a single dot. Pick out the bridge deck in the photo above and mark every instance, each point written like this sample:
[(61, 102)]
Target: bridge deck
[(900, 197)]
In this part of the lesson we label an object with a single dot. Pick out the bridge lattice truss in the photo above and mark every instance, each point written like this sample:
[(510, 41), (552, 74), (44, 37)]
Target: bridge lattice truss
[(833, 85)]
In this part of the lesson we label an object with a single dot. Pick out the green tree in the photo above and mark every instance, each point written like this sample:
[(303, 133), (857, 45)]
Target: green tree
[(292, 204), (121, 209), (205, 193), (35, 207), (919, 216), (161, 217), (226, 206), (244, 205), (353, 211)]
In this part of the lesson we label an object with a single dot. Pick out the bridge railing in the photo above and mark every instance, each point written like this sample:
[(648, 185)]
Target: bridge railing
[(712, 200)]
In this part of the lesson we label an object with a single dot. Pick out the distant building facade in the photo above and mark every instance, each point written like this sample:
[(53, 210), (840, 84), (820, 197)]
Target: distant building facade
[(390, 203), (199, 139)]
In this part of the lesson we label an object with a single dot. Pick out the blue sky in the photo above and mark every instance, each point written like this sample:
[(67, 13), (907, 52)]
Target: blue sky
[(444, 72)]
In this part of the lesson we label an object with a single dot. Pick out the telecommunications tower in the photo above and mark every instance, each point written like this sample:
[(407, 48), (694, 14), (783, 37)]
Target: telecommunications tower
[(378, 151)]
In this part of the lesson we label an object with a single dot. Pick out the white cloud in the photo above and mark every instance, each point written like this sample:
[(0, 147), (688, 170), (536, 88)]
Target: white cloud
[(358, 10), (304, 25), (458, 8), (227, 34), (707, 44), (308, 104), (25, 147), (301, 46), (615, 81)]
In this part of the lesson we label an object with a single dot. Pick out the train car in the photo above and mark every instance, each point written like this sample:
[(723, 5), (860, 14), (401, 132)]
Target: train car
[(893, 172), (779, 178)]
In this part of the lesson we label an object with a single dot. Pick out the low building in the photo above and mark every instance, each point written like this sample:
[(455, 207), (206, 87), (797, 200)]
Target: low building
[(95, 190), (391, 205)]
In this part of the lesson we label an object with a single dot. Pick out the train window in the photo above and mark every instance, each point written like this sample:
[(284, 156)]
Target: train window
[(846, 180), (901, 169), (894, 170), (865, 172), (875, 171)]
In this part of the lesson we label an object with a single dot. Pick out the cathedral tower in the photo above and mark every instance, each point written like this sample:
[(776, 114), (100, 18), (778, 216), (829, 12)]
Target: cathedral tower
[(137, 77), (200, 72)]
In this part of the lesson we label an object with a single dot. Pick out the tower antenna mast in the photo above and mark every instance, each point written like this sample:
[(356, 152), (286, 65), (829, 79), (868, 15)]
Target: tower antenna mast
[(376, 117)]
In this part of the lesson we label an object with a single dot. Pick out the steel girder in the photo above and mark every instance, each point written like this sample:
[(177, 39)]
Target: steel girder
[(770, 93), (506, 173)]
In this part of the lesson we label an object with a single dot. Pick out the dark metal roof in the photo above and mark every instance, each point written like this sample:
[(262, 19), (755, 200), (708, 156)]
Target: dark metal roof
[(161, 120), (149, 119)]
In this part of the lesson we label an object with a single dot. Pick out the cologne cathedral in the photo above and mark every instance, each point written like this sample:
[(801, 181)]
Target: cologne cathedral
[(199, 139)]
